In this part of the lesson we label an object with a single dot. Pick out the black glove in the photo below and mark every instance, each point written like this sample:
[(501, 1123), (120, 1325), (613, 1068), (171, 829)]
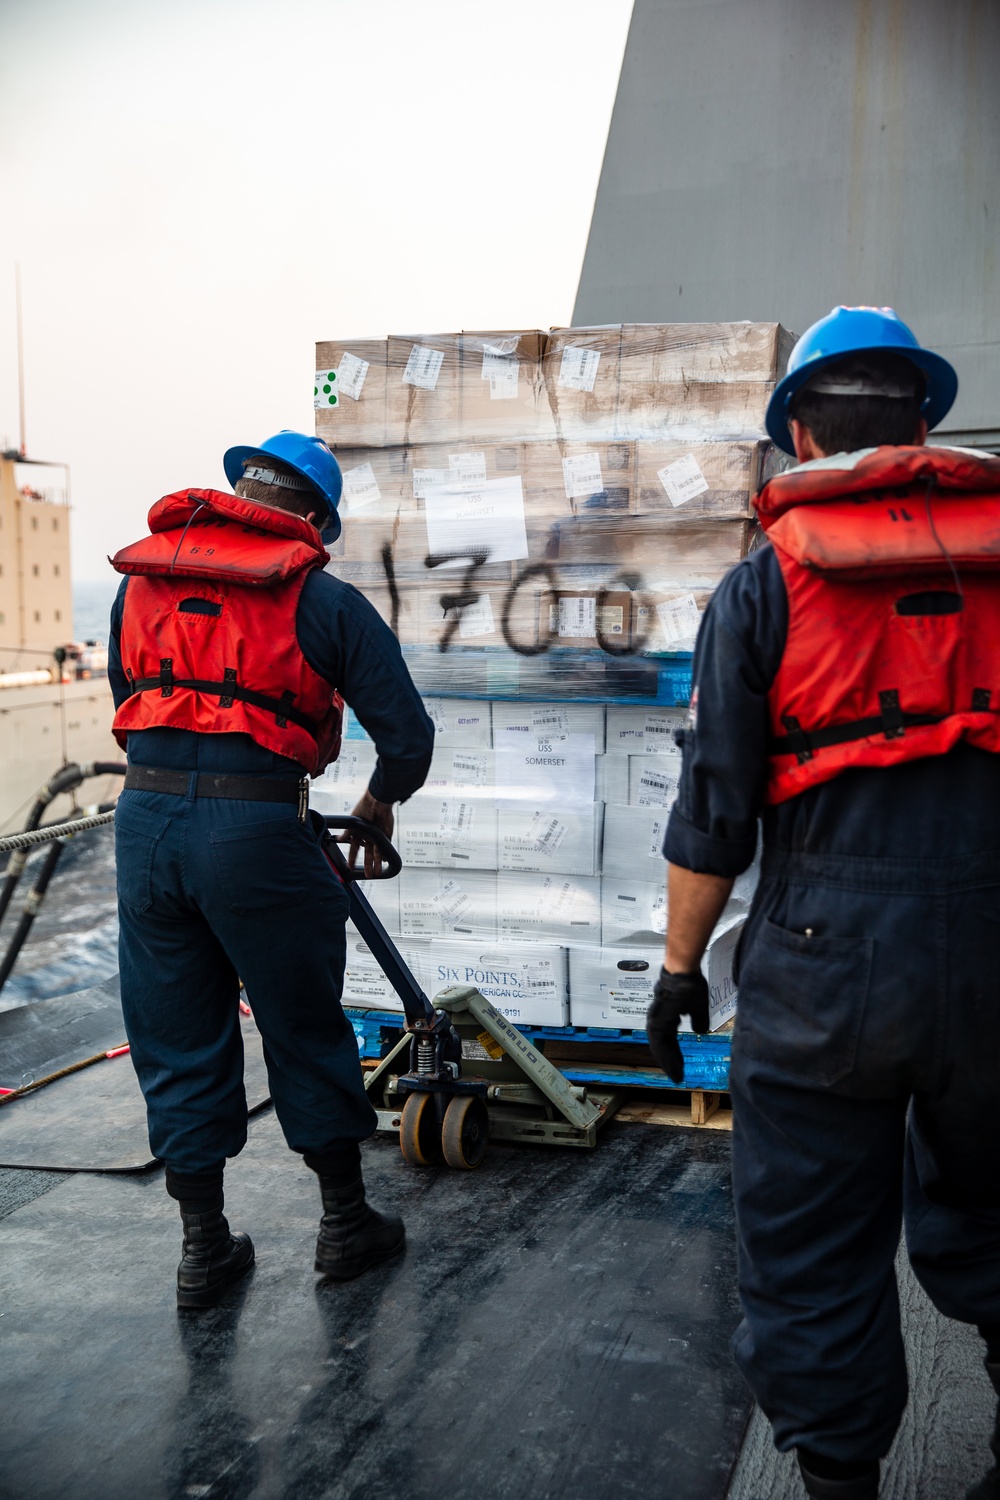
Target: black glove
[(675, 995)]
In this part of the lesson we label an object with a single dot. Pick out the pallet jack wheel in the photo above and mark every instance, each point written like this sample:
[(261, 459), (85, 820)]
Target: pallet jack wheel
[(419, 1132), (465, 1133)]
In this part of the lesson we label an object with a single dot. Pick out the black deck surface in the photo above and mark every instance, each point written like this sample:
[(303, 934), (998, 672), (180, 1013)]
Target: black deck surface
[(559, 1327), (39, 1038), (94, 1119)]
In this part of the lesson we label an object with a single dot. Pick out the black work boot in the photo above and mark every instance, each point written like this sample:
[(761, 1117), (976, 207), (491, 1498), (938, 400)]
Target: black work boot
[(826, 1479), (352, 1236), (988, 1487), (212, 1258)]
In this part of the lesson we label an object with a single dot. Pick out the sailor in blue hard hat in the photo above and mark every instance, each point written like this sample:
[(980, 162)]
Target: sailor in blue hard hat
[(296, 464), (830, 359)]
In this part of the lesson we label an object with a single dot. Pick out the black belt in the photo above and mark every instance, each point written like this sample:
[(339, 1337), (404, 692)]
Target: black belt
[(213, 784)]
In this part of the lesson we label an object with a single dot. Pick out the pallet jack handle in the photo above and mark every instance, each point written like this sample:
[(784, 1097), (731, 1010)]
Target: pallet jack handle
[(420, 1013)]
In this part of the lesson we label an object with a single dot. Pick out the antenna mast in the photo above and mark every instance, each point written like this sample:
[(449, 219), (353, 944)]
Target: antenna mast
[(20, 356)]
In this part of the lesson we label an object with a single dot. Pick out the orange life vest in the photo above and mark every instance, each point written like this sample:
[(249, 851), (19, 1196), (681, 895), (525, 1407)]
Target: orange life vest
[(208, 637), (892, 568)]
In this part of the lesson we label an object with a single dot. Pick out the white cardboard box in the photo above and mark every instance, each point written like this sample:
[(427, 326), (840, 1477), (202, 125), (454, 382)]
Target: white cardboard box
[(558, 771), (644, 731), (536, 719), (467, 722), (633, 842), (453, 833), (633, 911), (612, 987), (526, 982), (547, 839), (448, 903), (383, 897), (366, 985), (549, 908), (612, 777), (344, 782), (653, 780), (460, 770)]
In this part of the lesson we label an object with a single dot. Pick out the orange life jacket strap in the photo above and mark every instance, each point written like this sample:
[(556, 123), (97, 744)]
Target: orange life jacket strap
[(892, 722), (226, 692)]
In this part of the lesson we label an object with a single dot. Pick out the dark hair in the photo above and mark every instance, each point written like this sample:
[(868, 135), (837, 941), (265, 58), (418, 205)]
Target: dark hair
[(842, 424), (299, 502)]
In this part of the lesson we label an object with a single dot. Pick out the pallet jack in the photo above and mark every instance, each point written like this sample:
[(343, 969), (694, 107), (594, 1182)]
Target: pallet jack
[(470, 1074)]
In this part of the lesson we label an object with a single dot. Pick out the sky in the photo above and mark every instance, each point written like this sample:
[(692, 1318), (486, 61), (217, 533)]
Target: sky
[(198, 192)]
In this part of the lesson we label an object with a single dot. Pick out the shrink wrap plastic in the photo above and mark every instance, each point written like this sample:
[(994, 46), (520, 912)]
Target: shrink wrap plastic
[(541, 518)]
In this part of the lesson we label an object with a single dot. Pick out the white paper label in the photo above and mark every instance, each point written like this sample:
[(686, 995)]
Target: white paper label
[(467, 468), (657, 788), (437, 713), (545, 834), (457, 818), (423, 367), (545, 772), (549, 720), (451, 901), (470, 767), (582, 475), (539, 977), (502, 372), (578, 369), (488, 519), (683, 480), (424, 478), (658, 736), (325, 387), (361, 486), (679, 618), (351, 374), (474, 619), (577, 618), (657, 829)]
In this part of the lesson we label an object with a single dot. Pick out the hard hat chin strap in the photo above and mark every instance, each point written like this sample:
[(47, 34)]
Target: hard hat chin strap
[(280, 481), (861, 385)]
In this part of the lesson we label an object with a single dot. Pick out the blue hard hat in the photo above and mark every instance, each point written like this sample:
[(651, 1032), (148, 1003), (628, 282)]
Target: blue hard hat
[(858, 330), (308, 456)]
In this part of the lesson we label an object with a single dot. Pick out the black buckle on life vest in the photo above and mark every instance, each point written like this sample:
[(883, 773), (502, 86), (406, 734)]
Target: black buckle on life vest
[(287, 699), (893, 722), (228, 675), (166, 676), (981, 700), (798, 740)]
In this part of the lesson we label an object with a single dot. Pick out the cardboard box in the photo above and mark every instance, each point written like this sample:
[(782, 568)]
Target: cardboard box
[(365, 984), (357, 418), (633, 912), (534, 719), (613, 987), (423, 388), (686, 554), (452, 833), (343, 783), (653, 780), (678, 481), (648, 731), (383, 897), (502, 384), (378, 484), (633, 842), (479, 623), (526, 982), (461, 771), (548, 839), (577, 478), (612, 777), (582, 369), (448, 903), (548, 908), (586, 618), (464, 722)]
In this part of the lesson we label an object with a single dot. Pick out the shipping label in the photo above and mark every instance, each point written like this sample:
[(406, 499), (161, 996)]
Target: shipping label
[(351, 374), (683, 480), (361, 487), (578, 369), (679, 618), (467, 468), (423, 367), (582, 475)]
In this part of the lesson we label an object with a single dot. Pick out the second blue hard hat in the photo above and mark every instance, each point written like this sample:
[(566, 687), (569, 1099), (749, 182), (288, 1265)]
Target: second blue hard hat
[(858, 330), (306, 456)]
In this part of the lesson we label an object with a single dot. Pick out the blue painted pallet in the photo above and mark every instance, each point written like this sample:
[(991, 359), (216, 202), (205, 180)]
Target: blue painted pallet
[(706, 1058)]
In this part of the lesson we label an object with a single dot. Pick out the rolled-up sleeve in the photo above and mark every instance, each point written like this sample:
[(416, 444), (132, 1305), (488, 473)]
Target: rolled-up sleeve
[(712, 827)]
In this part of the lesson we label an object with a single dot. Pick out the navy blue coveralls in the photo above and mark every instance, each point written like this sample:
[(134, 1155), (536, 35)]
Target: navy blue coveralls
[(866, 1052), (211, 889)]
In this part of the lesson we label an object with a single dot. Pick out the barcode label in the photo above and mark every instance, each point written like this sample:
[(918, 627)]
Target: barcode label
[(679, 618), (351, 374), (475, 619), (437, 713), (578, 370), (457, 818), (545, 833), (658, 735), (423, 367), (683, 480), (502, 371), (582, 475), (576, 618), (657, 789), (539, 975), (657, 829), (361, 487), (470, 767), (451, 900), (550, 721), (467, 468)]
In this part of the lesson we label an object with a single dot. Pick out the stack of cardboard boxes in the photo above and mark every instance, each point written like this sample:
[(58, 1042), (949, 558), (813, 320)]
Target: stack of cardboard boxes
[(543, 498)]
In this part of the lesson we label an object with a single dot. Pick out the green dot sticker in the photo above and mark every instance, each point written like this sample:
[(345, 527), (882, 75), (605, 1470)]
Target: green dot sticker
[(324, 392)]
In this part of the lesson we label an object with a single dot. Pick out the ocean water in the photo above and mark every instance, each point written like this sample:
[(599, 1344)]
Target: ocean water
[(74, 939)]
